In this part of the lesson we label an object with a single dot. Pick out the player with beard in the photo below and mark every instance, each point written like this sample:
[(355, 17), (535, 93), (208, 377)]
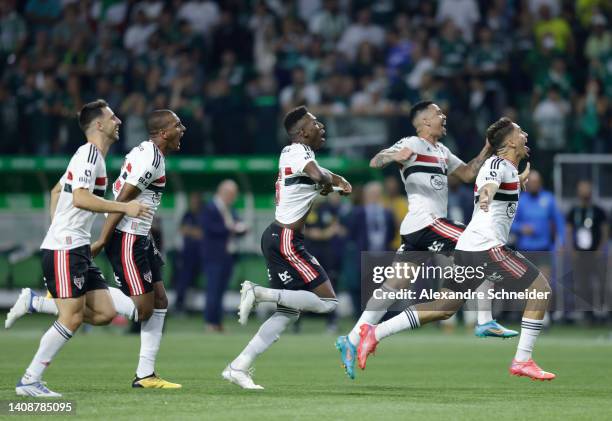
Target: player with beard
[(483, 246), (70, 276), (424, 165)]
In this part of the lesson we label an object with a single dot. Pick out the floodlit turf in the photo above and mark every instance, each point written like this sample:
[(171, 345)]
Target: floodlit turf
[(417, 375)]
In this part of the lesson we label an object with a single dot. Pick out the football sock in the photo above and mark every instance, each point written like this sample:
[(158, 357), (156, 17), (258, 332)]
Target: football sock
[(50, 344), (407, 319), (268, 333), (150, 338), (44, 305), (123, 304), (298, 300), (530, 329), (484, 304), (374, 312)]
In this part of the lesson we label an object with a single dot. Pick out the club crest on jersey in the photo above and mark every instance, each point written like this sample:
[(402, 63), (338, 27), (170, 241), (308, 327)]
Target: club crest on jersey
[(437, 182), (285, 277), (315, 261), (79, 281), (148, 277), (511, 209)]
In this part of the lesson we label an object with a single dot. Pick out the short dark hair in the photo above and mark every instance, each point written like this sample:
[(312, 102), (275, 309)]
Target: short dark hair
[(293, 116), (90, 112), (497, 132), (417, 108), (158, 120)]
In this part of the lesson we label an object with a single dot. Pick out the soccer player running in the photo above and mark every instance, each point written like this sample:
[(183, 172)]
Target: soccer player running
[(424, 164), (136, 262), (297, 280), (483, 246), (69, 273)]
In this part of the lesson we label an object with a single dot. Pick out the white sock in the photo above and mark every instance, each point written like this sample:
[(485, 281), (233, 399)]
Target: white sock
[(484, 305), (150, 338), (268, 333), (44, 305), (50, 343), (530, 329), (374, 312), (407, 319), (123, 304), (298, 300)]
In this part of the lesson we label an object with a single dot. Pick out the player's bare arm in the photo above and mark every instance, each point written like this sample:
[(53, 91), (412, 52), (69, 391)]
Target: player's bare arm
[(468, 172), (485, 195), (84, 199), (55, 194), (320, 176), (339, 181), (387, 156), (127, 195)]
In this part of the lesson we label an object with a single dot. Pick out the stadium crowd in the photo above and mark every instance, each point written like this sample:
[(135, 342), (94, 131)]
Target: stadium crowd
[(230, 68)]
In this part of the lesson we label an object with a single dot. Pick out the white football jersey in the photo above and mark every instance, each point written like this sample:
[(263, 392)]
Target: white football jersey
[(144, 167), (71, 227), (295, 190), (491, 229), (425, 179)]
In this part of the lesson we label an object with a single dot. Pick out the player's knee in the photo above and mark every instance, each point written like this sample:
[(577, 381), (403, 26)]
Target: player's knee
[(72, 321), (106, 316), (446, 314)]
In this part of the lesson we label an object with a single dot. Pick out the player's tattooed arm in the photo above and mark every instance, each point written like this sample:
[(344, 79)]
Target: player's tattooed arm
[(485, 195), (55, 194), (127, 196), (468, 172), (387, 156)]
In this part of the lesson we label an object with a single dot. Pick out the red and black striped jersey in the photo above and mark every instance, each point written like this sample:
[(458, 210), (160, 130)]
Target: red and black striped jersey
[(71, 227), (295, 190), (144, 167), (425, 179), (491, 229)]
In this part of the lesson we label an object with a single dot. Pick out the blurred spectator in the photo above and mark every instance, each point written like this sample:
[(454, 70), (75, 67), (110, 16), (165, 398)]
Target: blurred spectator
[(43, 13), (553, 31), (591, 112), (360, 31), (397, 202), (299, 92), (202, 15), (588, 233), (463, 13), (321, 234), (220, 225), (460, 201), (13, 31), (329, 23), (549, 117), (134, 123), (189, 262), (538, 224), (599, 42), (138, 33)]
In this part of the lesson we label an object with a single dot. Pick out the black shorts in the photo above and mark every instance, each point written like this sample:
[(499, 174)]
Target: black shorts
[(137, 264), (290, 266), (439, 237), (500, 265), (71, 273)]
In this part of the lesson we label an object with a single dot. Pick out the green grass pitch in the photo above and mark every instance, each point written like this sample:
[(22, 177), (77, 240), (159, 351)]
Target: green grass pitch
[(418, 375)]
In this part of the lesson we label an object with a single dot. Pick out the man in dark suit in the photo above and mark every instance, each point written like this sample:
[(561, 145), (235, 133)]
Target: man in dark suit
[(220, 226), (371, 227)]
